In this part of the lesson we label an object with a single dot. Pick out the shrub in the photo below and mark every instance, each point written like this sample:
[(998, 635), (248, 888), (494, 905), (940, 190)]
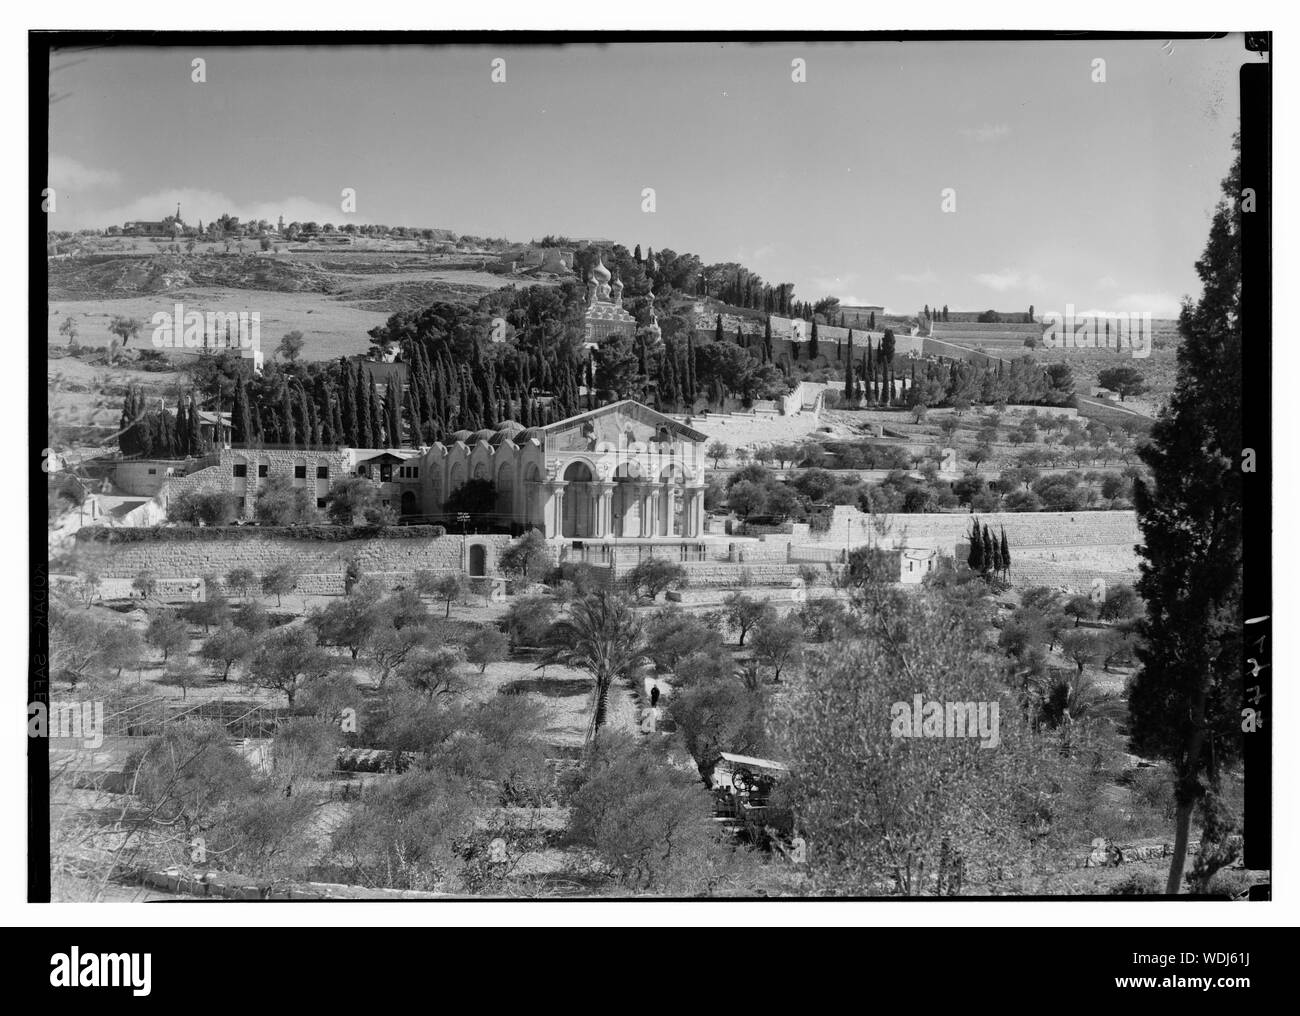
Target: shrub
[(648, 821), (1139, 883), (654, 575)]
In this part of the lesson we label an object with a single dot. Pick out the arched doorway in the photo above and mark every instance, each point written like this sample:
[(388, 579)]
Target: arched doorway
[(671, 484), (409, 503), (477, 560), (578, 509), (627, 501)]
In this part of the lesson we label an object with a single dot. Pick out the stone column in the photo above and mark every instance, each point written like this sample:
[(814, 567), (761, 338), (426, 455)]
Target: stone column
[(556, 488), (670, 510), (643, 504), (605, 509)]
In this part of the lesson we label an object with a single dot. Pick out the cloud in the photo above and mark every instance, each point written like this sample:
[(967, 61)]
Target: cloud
[(69, 174), (986, 132), (1008, 278), (924, 278), (1158, 304), (207, 205)]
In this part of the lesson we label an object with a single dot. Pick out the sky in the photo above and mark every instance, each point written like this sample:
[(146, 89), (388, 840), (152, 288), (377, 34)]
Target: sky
[(1064, 190)]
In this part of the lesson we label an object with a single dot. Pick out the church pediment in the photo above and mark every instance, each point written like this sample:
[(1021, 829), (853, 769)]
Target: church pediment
[(620, 425)]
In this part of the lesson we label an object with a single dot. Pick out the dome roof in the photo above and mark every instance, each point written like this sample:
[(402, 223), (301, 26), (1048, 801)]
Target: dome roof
[(513, 426), (531, 434), (462, 435), (600, 271)]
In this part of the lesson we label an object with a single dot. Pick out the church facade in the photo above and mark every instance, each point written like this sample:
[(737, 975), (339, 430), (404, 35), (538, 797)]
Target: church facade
[(623, 471)]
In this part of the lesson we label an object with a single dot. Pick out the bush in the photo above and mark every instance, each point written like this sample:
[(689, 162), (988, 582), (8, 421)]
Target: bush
[(654, 575), (1139, 883), (207, 508), (649, 822)]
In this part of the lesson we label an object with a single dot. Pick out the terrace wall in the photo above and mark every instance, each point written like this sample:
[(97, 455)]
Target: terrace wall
[(321, 562)]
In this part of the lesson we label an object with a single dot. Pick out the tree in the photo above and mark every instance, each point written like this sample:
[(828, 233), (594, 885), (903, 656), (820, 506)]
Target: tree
[(717, 451), (145, 584), (304, 748), (450, 587), (69, 328), (351, 621), (747, 498), (227, 646), (1080, 648), (125, 328), (474, 497), (602, 636), (349, 498), (718, 714), (528, 620), (289, 660), (778, 643), (654, 575), (433, 671), (202, 508), (1122, 603), (527, 554), (1124, 380), (647, 821), (290, 346), (975, 557), (280, 579), (883, 806), (280, 503), (744, 613), (1080, 606), (1185, 698), (240, 580), (487, 645), (167, 633)]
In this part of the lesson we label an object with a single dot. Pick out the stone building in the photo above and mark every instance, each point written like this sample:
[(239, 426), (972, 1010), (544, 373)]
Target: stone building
[(605, 314), (623, 471), (620, 472)]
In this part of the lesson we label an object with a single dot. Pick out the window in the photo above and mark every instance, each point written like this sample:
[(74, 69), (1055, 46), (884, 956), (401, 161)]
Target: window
[(153, 472), (408, 472), (241, 469), (385, 502), (322, 472), (300, 472), (320, 502), (261, 469)]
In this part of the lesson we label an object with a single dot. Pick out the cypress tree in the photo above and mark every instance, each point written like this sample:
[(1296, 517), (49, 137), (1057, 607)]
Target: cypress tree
[(1005, 550), (850, 382), (347, 405), (975, 559), (812, 341), (990, 555), (289, 431), (1185, 703), (717, 334), (376, 410)]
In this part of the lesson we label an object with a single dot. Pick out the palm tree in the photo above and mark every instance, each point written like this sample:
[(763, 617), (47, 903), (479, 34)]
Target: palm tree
[(602, 636)]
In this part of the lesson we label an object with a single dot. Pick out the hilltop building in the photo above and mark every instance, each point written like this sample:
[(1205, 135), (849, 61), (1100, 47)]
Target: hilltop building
[(605, 314)]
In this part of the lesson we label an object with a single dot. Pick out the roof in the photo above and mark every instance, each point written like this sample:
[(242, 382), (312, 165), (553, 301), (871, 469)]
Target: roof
[(758, 763), (654, 414)]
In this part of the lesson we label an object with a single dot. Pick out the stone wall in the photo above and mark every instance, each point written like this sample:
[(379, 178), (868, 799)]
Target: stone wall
[(321, 563)]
